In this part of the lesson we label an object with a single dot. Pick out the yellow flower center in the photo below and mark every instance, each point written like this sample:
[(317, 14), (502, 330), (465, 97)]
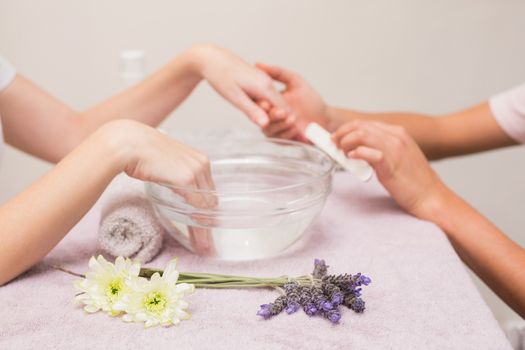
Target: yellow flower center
[(154, 302), (114, 288)]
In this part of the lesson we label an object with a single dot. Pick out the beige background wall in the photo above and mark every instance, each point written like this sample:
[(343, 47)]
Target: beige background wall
[(420, 55)]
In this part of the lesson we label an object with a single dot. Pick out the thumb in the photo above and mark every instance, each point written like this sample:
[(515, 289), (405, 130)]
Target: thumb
[(277, 73)]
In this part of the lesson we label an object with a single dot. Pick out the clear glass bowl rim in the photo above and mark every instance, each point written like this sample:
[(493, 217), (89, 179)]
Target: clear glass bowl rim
[(328, 172)]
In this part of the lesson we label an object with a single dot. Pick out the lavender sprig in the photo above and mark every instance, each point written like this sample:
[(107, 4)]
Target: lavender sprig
[(321, 295)]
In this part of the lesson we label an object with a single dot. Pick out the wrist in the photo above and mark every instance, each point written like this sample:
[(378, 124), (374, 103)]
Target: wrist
[(439, 205), (118, 144), (189, 64), (198, 56), (330, 115)]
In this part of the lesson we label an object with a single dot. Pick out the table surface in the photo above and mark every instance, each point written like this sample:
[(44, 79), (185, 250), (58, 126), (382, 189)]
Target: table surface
[(421, 296)]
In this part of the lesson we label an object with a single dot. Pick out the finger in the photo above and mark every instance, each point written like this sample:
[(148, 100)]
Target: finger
[(205, 183), (278, 114), (249, 107), (267, 92), (201, 240), (200, 167), (265, 105), (363, 136), (277, 73), (301, 137), (188, 183), (275, 128), (394, 130), (344, 130), (193, 197), (289, 134), (371, 155)]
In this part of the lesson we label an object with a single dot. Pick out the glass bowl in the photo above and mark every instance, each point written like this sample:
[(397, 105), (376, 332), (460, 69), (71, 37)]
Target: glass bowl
[(268, 192)]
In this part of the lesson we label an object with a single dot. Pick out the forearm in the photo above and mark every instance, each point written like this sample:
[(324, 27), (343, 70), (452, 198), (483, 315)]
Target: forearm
[(496, 259), (404, 172), (41, 125), (151, 100), (33, 222), (468, 131)]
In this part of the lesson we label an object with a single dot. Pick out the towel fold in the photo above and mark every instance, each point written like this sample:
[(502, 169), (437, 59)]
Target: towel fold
[(129, 226)]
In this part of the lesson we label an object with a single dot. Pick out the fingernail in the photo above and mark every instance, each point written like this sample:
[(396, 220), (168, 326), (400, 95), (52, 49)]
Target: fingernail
[(262, 122)]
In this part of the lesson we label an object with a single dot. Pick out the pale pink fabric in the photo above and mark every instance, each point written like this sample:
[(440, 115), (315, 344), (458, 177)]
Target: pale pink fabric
[(421, 296), (509, 110)]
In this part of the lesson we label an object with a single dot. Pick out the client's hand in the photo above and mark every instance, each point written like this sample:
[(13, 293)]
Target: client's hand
[(149, 155), (237, 81), (398, 162)]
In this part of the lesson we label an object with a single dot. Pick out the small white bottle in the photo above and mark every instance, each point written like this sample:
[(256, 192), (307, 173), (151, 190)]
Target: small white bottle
[(132, 66)]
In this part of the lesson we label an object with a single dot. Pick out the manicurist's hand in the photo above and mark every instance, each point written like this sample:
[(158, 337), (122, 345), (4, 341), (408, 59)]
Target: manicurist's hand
[(403, 170), (307, 105), (237, 81), (398, 162)]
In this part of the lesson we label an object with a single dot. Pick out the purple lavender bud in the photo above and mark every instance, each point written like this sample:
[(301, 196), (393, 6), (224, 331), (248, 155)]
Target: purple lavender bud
[(326, 305), (310, 309), (356, 279), (357, 292), (292, 307), (305, 296), (358, 305), (337, 298), (264, 311), (278, 305), (365, 280), (320, 269), (290, 287), (333, 315)]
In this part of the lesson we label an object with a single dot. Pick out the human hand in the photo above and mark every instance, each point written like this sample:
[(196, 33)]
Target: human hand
[(237, 81), (149, 155), (307, 105), (398, 162)]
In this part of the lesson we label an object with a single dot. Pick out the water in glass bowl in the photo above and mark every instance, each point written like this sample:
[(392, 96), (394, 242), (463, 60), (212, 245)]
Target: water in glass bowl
[(267, 198)]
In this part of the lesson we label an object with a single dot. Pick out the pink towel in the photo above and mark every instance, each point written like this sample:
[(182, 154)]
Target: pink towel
[(421, 296)]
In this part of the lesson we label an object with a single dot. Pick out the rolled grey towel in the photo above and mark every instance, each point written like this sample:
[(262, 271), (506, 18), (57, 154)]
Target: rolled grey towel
[(129, 226)]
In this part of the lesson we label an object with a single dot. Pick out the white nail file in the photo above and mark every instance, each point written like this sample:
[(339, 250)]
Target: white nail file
[(322, 139)]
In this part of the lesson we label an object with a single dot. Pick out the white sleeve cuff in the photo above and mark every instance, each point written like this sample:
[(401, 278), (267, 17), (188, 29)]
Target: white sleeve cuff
[(508, 109), (7, 73)]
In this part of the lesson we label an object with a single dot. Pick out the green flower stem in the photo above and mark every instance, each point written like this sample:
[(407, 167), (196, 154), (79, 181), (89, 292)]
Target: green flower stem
[(218, 281), (148, 272), (211, 280), (228, 286)]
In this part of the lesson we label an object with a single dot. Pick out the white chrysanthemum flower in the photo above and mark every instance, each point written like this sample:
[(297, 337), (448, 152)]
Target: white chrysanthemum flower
[(106, 284), (158, 300)]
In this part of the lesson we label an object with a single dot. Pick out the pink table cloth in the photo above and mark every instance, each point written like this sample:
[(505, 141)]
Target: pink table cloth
[(421, 296)]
